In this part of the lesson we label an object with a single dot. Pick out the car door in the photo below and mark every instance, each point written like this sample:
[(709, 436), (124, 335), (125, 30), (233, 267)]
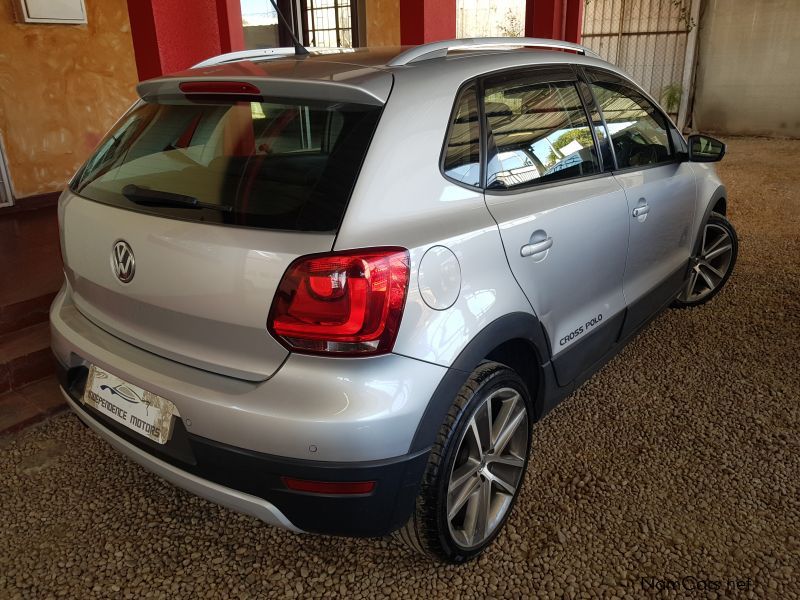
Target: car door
[(660, 190), (563, 220)]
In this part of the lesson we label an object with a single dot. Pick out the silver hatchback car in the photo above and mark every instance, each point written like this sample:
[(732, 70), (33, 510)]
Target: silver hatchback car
[(336, 291)]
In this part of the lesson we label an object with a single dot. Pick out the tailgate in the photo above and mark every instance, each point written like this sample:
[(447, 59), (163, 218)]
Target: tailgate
[(213, 199), (200, 293)]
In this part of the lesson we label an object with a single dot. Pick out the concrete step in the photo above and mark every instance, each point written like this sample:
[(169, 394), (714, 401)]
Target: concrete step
[(30, 404), (25, 356), (25, 313), (30, 275), (30, 269)]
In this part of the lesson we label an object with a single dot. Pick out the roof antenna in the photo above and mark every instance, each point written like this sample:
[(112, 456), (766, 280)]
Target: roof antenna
[(299, 49)]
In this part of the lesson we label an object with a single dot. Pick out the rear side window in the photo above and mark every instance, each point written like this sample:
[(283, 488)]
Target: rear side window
[(639, 132), (277, 165), (462, 157), (539, 133)]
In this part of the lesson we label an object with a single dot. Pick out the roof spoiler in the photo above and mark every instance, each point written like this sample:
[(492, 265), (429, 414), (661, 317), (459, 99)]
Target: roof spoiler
[(358, 89)]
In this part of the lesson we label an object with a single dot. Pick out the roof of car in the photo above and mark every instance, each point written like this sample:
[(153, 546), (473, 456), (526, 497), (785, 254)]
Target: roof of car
[(364, 74), (382, 58)]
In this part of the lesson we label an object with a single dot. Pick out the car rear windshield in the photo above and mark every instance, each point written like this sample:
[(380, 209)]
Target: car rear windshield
[(276, 165)]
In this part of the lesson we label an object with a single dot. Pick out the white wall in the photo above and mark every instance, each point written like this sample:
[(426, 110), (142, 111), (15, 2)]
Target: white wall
[(490, 18), (748, 73)]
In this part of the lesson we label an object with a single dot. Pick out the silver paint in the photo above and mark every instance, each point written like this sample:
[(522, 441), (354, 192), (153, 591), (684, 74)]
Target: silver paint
[(580, 275), (439, 278), (659, 243), (201, 292), (351, 409), (191, 325)]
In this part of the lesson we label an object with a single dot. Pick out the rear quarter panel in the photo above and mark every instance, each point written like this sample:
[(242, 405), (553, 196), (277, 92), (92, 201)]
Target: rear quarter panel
[(402, 199)]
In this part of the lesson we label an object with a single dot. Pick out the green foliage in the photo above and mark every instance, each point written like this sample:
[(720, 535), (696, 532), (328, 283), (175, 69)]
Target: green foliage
[(512, 27), (582, 135), (684, 12), (671, 97)]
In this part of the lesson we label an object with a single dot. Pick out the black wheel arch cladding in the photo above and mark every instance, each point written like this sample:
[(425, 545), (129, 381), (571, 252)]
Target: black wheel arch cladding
[(428, 528), (513, 326)]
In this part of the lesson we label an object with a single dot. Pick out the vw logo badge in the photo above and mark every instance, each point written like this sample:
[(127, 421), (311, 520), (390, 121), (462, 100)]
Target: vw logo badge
[(122, 261)]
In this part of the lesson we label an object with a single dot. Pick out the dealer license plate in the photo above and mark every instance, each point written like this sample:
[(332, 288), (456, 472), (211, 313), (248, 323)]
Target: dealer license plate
[(142, 411)]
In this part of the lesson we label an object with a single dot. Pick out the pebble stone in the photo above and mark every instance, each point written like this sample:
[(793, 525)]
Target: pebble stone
[(677, 465)]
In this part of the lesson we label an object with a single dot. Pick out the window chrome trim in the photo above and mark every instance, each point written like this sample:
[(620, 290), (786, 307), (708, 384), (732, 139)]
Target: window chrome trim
[(635, 168), (548, 184)]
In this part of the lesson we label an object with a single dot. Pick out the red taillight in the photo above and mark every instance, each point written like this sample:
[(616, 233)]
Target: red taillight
[(328, 487), (347, 303), (219, 87)]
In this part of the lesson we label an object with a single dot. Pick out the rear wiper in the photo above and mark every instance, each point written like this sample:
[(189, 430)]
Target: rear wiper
[(149, 197)]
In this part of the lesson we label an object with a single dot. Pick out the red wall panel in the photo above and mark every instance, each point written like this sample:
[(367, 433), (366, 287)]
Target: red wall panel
[(172, 35), (424, 21)]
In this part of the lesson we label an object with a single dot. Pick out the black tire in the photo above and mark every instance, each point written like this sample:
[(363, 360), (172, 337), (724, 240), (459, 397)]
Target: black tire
[(428, 530), (716, 222)]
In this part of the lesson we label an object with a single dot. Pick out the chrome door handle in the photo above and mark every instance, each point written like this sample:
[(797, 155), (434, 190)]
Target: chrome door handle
[(536, 248), (640, 211)]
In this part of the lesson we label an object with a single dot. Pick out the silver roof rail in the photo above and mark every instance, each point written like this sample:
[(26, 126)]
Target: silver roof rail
[(439, 49), (244, 55), (264, 53)]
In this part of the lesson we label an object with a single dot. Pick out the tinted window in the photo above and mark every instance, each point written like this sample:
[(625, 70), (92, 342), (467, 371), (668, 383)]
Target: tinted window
[(277, 165), (539, 133), (599, 129), (639, 132), (462, 159)]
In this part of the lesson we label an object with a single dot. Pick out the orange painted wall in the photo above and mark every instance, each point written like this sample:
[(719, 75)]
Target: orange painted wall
[(61, 89), (383, 22)]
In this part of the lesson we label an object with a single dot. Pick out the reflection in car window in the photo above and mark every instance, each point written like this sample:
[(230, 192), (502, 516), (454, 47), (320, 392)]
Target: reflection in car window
[(540, 132), (287, 165), (462, 160), (638, 131), (599, 128)]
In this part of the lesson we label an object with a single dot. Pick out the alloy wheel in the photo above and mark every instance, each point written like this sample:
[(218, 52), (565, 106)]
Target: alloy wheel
[(488, 469), (710, 267)]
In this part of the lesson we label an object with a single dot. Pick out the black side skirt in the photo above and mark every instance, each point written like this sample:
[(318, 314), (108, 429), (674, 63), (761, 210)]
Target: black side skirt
[(586, 352), (573, 367)]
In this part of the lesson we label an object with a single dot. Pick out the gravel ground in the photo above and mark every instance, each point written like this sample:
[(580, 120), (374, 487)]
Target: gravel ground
[(678, 465)]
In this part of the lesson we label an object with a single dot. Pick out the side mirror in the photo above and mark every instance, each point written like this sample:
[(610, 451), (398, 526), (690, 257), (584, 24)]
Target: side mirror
[(705, 149)]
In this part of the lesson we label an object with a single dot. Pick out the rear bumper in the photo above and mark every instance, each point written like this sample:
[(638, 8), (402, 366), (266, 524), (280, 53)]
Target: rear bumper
[(318, 419), (230, 498), (313, 408), (250, 482)]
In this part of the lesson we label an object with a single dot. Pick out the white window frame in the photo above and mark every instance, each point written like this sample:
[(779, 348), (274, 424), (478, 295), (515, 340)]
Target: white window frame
[(6, 191), (23, 13)]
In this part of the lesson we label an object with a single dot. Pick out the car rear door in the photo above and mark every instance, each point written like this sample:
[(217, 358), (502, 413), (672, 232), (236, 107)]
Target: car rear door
[(178, 229), (660, 191), (563, 219)]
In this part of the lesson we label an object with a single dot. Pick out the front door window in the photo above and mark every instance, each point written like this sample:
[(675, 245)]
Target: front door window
[(638, 130)]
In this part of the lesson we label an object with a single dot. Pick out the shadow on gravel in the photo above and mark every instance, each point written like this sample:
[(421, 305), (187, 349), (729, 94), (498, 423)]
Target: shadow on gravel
[(676, 468)]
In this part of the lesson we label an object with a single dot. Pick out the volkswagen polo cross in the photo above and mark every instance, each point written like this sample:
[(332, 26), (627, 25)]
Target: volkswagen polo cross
[(336, 291)]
